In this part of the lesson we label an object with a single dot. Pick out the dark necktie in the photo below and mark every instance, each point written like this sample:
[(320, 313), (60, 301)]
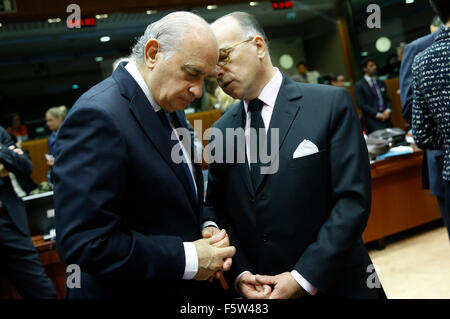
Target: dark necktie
[(380, 98), (165, 122), (256, 121)]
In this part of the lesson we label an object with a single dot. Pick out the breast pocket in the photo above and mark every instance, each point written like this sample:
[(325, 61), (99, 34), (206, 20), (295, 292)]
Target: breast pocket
[(308, 161)]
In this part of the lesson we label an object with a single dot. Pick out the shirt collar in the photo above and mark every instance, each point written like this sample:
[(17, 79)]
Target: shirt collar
[(269, 93), (369, 78), (134, 72)]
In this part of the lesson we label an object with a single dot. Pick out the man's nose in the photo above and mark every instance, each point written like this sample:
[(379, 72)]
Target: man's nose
[(196, 90), (218, 72)]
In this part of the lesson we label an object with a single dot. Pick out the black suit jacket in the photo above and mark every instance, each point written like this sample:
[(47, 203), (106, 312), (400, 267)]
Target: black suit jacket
[(310, 215), (123, 207), (368, 103), (21, 166)]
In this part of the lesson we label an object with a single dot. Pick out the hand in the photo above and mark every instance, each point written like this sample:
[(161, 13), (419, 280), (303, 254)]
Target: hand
[(16, 149), (387, 114), (51, 161), (285, 286), (251, 289), (210, 231), (211, 259)]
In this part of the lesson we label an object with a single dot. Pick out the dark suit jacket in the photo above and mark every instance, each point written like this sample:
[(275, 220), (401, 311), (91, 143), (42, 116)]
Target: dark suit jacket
[(310, 215), (432, 160), (406, 90), (368, 103), (123, 207), (20, 165)]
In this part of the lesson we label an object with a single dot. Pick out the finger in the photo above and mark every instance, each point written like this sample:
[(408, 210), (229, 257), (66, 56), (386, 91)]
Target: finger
[(248, 279), (225, 252), (206, 233), (222, 243), (11, 147), (227, 264), (217, 237), (266, 280)]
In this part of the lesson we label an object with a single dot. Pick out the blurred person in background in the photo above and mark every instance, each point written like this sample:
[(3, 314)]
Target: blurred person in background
[(19, 259), (54, 118), (372, 98), (17, 128)]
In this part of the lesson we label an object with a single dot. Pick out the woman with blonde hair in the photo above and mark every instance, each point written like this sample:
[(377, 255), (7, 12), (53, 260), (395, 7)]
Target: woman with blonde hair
[(54, 118)]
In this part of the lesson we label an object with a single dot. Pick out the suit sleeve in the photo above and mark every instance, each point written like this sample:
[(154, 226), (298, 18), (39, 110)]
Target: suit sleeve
[(406, 92), (362, 102), (13, 162), (425, 131), (350, 197), (90, 176)]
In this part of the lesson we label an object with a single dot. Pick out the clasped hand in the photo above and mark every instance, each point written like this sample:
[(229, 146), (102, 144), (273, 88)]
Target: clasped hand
[(214, 253), (282, 286)]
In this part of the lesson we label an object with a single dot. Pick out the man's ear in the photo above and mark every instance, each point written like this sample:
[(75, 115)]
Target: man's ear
[(260, 47), (151, 53)]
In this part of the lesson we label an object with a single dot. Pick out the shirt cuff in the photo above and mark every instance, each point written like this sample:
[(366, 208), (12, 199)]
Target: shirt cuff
[(209, 223), (304, 283), (191, 268), (237, 280)]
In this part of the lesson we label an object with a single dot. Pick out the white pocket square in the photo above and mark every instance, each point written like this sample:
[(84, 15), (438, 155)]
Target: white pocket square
[(305, 148)]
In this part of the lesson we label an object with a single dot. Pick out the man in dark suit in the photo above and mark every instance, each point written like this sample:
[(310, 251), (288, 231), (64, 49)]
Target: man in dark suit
[(18, 258), (432, 159), (299, 227), (372, 98), (431, 106), (126, 213)]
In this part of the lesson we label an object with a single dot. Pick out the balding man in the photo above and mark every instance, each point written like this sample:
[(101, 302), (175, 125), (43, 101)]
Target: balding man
[(128, 214), (297, 229)]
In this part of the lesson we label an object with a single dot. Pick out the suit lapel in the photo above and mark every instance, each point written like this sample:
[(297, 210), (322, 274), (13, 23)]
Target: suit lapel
[(285, 110), (149, 122), (198, 175)]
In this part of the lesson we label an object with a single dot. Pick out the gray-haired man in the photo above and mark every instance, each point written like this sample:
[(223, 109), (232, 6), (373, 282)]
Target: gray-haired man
[(127, 214)]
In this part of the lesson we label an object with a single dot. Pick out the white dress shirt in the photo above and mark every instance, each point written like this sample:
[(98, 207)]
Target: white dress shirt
[(268, 96), (191, 267)]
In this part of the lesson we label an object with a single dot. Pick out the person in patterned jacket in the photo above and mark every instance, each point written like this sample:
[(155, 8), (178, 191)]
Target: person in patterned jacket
[(431, 107)]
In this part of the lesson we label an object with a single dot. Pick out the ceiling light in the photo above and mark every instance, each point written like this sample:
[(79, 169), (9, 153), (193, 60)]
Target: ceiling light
[(99, 59), (54, 20), (75, 86), (211, 7), (254, 3), (101, 16), (151, 11), (105, 39), (1, 25), (409, 1), (365, 53)]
